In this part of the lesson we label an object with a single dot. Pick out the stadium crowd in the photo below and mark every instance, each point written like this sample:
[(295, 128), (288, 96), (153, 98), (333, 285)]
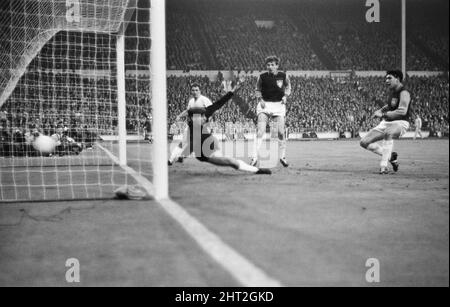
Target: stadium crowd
[(325, 104), (304, 34), (182, 49), (244, 33), (307, 35), (319, 104), (241, 44), (355, 44)]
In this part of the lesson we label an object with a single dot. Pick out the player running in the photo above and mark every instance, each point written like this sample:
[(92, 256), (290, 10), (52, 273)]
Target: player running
[(200, 139), (273, 88), (395, 122)]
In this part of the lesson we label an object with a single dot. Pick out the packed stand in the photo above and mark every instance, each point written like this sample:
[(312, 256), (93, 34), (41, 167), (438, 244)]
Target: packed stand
[(355, 44), (182, 50), (323, 104), (87, 107), (288, 29)]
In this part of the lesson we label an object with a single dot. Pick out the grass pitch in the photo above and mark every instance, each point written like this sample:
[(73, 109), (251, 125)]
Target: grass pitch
[(312, 224)]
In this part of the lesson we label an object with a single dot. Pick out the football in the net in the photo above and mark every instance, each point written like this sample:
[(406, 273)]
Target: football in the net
[(44, 144)]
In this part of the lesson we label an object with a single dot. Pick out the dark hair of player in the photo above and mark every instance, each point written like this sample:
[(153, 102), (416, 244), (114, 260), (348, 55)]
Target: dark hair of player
[(396, 74), (272, 58), (195, 85)]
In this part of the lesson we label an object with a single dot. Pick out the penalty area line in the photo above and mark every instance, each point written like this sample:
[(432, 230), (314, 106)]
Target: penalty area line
[(240, 268)]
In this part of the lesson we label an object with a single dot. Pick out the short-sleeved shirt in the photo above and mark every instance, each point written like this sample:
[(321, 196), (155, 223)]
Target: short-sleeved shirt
[(394, 102), (200, 102), (272, 86)]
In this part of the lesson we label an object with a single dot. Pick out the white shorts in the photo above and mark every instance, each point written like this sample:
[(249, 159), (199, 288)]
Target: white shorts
[(272, 109), (384, 125)]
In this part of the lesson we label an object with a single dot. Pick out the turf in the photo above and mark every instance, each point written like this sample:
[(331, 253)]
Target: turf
[(314, 223)]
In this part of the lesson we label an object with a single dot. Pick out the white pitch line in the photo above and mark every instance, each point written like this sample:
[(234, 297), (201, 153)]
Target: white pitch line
[(241, 269)]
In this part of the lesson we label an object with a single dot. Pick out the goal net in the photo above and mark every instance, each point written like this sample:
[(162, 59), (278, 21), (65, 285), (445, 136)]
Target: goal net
[(65, 65)]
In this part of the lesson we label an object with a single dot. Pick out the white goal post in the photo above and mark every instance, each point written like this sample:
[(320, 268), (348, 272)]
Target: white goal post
[(159, 92)]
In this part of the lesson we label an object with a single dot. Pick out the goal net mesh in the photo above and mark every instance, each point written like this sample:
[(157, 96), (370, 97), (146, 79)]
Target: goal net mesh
[(58, 78)]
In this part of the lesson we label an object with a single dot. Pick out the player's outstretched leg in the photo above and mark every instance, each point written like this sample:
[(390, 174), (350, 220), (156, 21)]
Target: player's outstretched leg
[(369, 142), (388, 145), (281, 141), (391, 133), (176, 153), (218, 160), (261, 130), (182, 150)]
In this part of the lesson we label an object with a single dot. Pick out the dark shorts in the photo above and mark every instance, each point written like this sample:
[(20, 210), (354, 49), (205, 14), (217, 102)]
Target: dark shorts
[(205, 148)]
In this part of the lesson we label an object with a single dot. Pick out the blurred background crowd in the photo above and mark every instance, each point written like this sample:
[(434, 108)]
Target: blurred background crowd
[(320, 104), (72, 83)]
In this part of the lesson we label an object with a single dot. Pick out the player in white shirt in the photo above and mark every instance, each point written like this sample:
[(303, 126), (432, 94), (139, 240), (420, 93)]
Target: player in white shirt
[(200, 139), (197, 101)]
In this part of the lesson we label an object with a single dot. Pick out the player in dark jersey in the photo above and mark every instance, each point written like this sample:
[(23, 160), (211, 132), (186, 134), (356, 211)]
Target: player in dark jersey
[(205, 145), (273, 88), (395, 117)]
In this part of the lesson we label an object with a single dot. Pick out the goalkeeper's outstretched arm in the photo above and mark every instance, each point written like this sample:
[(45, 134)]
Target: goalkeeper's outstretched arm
[(221, 102), (218, 104)]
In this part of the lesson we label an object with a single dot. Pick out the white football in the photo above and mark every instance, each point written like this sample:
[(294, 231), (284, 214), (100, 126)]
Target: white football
[(44, 144)]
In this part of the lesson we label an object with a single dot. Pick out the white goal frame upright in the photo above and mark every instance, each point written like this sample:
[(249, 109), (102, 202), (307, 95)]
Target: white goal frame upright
[(159, 98)]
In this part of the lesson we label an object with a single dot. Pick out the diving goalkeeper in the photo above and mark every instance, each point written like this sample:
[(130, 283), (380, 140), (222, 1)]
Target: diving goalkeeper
[(199, 138)]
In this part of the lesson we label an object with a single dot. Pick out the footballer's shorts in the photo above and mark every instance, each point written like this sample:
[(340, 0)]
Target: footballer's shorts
[(385, 126), (272, 109)]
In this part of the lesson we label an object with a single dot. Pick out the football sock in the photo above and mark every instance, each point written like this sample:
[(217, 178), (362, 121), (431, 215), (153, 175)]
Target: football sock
[(388, 145), (246, 167), (376, 148), (257, 146), (282, 148), (176, 152)]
